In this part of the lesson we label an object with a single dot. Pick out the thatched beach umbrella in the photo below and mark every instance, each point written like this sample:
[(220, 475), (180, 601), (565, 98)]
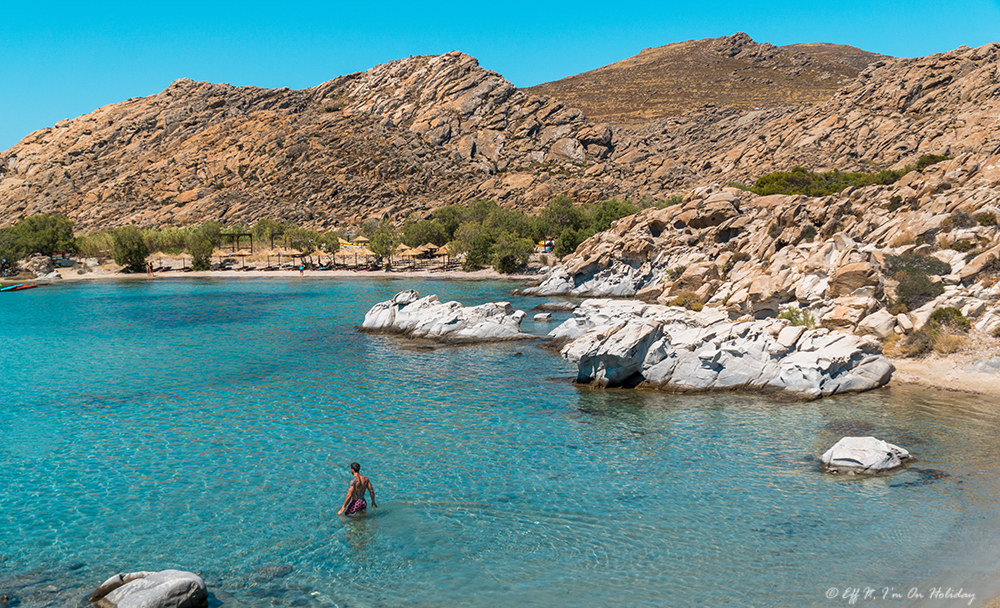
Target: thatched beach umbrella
[(445, 251)]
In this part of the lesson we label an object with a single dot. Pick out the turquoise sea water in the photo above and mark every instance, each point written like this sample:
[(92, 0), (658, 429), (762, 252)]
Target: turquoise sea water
[(207, 425)]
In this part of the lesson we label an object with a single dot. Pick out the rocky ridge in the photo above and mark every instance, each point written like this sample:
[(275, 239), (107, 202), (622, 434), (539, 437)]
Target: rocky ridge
[(410, 135), (732, 71)]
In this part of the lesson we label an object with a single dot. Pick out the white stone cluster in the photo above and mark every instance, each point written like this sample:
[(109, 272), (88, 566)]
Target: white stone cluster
[(616, 343), (448, 322)]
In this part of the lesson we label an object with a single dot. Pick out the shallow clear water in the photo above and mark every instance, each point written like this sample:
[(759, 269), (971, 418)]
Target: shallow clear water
[(207, 425)]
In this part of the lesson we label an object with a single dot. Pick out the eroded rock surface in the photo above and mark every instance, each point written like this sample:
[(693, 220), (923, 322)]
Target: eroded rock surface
[(446, 322), (163, 589), (863, 455), (629, 343)]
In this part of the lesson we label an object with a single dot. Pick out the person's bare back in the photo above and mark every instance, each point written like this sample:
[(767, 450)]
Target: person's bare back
[(355, 500)]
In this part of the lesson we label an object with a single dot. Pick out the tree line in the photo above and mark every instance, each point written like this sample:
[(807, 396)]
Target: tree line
[(486, 233)]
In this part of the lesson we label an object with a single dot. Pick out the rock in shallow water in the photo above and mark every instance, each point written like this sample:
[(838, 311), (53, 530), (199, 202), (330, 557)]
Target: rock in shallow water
[(163, 589), (863, 455), (447, 322), (629, 343)]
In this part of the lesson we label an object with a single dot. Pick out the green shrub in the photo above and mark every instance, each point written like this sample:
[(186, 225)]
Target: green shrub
[(930, 159), (913, 262), (809, 233), (968, 257), (675, 273), (963, 246), (915, 289), (918, 343), (895, 202), (687, 299), (130, 249), (951, 317), (986, 218), (798, 317), (802, 181)]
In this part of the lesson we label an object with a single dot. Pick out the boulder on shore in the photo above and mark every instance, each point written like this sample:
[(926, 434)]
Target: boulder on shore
[(41, 266), (630, 343), (447, 322), (163, 589), (863, 455)]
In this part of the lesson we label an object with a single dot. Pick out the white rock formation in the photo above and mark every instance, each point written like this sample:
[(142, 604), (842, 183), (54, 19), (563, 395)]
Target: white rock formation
[(616, 343), (449, 322), (164, 589), (863, 455)]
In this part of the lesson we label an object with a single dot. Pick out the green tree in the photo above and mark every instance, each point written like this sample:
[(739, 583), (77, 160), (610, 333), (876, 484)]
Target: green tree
[(474, 241), (129, 247), (417, 233), (450, 217), (266, 230), (569, 240), (200, 245), (302, 240), (609, 211), (560, 213), (329, 241), (511, 252), (384, 240), (45, 233)]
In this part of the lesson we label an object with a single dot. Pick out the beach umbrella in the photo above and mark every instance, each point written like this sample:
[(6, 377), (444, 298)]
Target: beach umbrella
[(361, 239)]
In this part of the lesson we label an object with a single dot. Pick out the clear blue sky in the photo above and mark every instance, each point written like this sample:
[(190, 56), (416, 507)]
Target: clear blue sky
[(60, 60)]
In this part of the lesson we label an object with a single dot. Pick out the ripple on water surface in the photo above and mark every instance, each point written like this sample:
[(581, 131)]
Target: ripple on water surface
[(207, 425)]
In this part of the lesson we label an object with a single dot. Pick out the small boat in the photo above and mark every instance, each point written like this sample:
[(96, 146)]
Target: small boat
[(20, 287)]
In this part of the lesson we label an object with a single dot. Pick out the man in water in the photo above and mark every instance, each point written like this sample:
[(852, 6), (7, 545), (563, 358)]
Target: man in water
[(355, 500)]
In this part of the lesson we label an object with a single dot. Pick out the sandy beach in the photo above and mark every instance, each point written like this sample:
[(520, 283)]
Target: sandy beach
[(108, 273)]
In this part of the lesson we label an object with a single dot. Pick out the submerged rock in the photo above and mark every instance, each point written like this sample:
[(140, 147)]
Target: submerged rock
[(863, 455), (163, 589), (629, 343), (448, 322)]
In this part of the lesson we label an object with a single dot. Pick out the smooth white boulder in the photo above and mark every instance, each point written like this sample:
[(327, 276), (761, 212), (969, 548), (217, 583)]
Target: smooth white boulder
[(543, 316), (615, 342), (163, 589), (448, 322), (863, 455)]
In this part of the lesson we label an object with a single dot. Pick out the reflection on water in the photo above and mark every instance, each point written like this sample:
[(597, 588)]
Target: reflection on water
[(207, 425)]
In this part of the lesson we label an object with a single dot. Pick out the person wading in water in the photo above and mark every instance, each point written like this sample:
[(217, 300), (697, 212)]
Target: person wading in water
[(355, 500)]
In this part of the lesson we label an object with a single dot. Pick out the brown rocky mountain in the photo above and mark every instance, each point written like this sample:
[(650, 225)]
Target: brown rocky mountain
[(413, 134), (733, 71)]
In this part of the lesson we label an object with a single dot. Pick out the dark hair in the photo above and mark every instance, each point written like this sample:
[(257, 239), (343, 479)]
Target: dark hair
[(355, 467)]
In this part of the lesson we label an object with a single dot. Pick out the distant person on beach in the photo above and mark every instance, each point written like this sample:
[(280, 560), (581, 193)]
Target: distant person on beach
[(355, 500), (301, 268), (149, 269)]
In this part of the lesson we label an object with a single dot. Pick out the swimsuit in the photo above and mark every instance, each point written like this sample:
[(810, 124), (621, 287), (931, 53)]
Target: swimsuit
[(356, 506)]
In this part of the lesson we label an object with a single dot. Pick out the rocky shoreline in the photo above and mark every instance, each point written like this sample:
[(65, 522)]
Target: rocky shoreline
[(634, 344), (667, 347)]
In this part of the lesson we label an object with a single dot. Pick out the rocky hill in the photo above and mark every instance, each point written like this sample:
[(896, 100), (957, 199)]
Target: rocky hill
[(396, 139), (413, 134), (877, 260), (733, 71)]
